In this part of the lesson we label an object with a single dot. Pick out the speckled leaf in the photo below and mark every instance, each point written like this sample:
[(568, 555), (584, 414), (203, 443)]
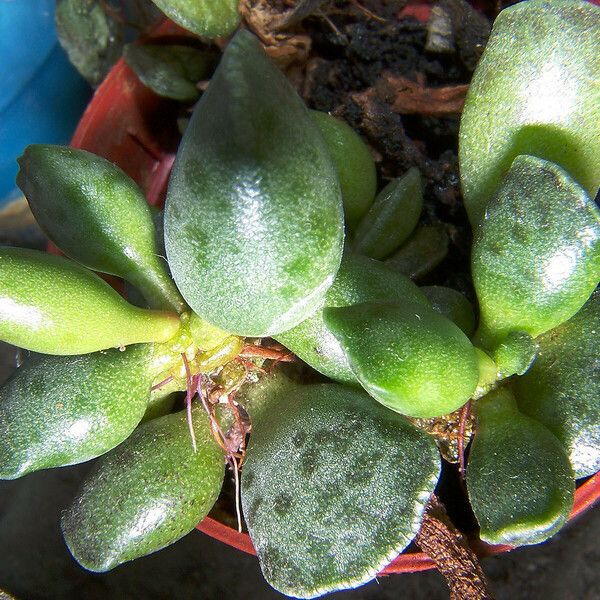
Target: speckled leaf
[(392, 218), (91, 36), (208, 18), (326, 512), (52, 305), (171, 71), (562, 389), (544, 101), (354, 165), (453, 305), (360, 279), (146, 494), (62, 410), (536, 254), (254, 219), (96, 214), (520, 483), (407, 356)]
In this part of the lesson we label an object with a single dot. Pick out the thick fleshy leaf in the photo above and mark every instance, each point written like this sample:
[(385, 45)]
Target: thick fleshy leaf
[(354, 165), (62, 410), (207, 18), (562, 389), (453, 305), (544, 101), (407, 356), (171, 71), (146, 494), (536, 254), (360, 279), (424, 250), (91, 35), (392, 218), (520, 483), (52, 305), (333, 488), (253, 220), (97, 215), (515, 354)]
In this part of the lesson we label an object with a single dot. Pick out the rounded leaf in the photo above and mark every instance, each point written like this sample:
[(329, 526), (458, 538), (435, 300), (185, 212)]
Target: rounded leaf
[(253, 220), (52, 305), (206, 18), (519, 479), (354, 165), (62, 410), (146, 494), (536, 254), (360, 279), (326, 512), (453, 305), (408, 357), (543, 101)]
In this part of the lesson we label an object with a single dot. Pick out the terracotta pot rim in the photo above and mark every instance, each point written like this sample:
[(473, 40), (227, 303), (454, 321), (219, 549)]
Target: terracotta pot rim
[(120, 96)]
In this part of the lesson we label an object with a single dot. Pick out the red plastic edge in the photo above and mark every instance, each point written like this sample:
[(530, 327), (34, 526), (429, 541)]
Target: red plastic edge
[(117, 125)]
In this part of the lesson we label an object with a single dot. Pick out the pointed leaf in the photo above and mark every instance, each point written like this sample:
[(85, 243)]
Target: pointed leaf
[(536, 254), (208, 18), (519, 479), (253, 221), (97, 215), (392, 218), (171, 71), (562, 388), (62, 410), (52, 305), (408, 357), (544, 101), (360, 279), (333, 488), (146, 494)]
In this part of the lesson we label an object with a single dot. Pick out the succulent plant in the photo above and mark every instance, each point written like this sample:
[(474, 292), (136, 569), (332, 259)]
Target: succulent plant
[(336, 474)]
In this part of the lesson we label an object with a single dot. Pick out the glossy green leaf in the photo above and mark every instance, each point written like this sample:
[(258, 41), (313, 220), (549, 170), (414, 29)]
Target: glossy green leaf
[(52, 305), (97, 215), (519, 479), (324, 509), (207, 18), (407, 356), (91, 35), (62, 410), (392, 218), (453, 305), (536, 255), (146, 494), (544, 101), (562, 389), (424, 250), (354, 165), (253, 220), (360, 279), (171, 71)]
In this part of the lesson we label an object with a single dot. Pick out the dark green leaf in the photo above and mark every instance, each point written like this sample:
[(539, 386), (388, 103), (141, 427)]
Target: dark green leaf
[(519, 479), (91, 36), (333, 488), (253, 220), (171, 71), (536, 254), (453, 305)]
